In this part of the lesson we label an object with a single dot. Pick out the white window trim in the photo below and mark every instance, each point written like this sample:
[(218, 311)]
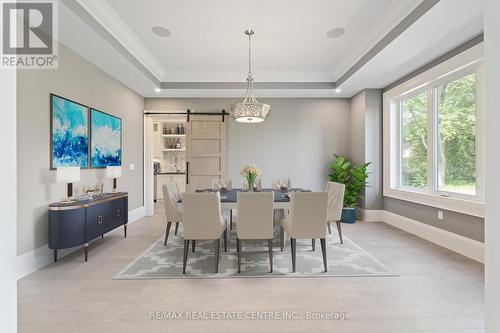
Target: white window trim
[(457, 203)]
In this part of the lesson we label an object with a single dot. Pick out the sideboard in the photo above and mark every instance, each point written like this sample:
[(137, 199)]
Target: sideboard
[(79, 222)]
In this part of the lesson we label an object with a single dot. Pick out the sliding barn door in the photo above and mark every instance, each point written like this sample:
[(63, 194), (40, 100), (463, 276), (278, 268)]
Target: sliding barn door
[(205, 151)]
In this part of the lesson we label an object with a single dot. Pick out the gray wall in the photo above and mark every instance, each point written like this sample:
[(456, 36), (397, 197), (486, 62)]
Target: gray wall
[(78, 80), (465, 225), (297, 141), (366, 142)]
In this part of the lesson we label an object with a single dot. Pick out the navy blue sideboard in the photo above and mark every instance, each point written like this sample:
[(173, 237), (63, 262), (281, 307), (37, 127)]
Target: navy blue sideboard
[(77, 223)]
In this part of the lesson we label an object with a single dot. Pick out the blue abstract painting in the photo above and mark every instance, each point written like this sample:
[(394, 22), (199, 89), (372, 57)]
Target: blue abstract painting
[(69, 133), (105, 139)]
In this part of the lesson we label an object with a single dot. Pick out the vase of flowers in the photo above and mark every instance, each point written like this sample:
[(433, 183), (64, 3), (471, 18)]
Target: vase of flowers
[(250, 172)]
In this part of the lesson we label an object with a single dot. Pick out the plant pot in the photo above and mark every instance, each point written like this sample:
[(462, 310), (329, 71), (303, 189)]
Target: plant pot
[(348, 215)]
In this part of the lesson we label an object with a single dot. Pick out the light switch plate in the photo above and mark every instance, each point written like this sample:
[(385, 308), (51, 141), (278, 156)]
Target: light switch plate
[(132, 166)]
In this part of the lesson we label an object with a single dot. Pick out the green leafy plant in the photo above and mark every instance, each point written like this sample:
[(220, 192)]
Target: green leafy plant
[(353, 177)]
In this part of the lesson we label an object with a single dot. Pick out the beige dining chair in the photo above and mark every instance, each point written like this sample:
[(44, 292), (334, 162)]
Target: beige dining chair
[(255, 221), (202, 220), (278, 184), (219, 183), (335, 205), (306, 219), (173, 213)]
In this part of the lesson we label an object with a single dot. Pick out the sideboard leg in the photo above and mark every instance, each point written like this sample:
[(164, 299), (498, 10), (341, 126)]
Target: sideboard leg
[(125, 230), (86, 251), (55, 255)]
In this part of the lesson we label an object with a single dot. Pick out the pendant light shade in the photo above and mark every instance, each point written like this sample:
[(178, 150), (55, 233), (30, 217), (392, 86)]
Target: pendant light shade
[(250, 110)]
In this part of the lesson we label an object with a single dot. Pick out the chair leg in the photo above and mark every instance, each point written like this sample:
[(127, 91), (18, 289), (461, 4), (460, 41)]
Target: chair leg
[(217, 252), (186, 250), (230, 219), (329, 227), (225, 240), (294, 253), (194, 244), (313, 243), (238, 248), (282, 238), (167, 231), (176, 228), (339, 229), (323, 249), (270, 245)]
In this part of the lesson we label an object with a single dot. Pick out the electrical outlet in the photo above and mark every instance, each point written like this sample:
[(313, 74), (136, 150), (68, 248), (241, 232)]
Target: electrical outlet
[(440, 215), (132, 166)]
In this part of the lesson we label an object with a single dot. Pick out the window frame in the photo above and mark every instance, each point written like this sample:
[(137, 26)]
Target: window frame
[(468, 62)]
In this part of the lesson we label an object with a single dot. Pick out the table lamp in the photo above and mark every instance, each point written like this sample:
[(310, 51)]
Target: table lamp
[(114, 172), (68, 175)]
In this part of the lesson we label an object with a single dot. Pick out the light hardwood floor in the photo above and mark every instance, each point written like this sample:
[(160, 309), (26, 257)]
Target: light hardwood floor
[(437, 291)]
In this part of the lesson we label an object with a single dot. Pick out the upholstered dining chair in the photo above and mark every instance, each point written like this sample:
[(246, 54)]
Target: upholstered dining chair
[(335, 205), (306, 219), (219, 183), (173, 213), (202, 220), (255, 221), (278, 184)]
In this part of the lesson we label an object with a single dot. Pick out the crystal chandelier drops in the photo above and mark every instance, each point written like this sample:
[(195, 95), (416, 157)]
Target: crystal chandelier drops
[(250, 110)]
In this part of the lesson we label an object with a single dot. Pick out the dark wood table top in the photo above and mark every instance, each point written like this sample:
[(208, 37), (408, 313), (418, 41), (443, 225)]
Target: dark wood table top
[(230, 196)]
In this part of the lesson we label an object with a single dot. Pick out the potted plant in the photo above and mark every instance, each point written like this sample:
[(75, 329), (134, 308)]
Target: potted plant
[(355, 180)]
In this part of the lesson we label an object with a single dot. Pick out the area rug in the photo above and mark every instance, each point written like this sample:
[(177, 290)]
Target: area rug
[(165, 262)]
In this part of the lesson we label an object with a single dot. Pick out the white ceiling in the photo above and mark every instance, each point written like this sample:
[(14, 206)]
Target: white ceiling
[(290, 45)]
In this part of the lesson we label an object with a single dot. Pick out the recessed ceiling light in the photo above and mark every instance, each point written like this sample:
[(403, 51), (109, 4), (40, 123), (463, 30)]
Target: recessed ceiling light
[(157, 90), (338, 90), (335, 32), (161, 31)]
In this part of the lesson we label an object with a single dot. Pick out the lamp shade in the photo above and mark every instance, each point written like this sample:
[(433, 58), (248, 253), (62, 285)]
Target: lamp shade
[(113, 172), (68, 174)]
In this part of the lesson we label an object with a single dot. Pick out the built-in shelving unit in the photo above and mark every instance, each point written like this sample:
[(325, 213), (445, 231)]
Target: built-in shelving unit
[(173, 135), (170, 151), (174, 149)]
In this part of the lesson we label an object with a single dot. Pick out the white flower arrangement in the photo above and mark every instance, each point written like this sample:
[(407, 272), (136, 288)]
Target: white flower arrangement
[(250, 172)]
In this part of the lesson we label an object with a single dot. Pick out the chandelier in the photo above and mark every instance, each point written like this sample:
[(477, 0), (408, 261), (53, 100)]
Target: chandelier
[(250, 110)]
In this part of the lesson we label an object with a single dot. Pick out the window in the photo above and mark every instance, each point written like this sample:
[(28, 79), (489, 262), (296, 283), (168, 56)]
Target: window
[(437, 137), (456, 136), (414, 141), (433, 136)]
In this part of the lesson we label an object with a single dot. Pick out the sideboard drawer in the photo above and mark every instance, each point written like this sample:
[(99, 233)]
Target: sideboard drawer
[(115, 214), (94, 222)]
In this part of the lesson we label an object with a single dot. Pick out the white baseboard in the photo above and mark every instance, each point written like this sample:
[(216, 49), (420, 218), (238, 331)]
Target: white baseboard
[(32, 261), (136, 214), (457, 243)]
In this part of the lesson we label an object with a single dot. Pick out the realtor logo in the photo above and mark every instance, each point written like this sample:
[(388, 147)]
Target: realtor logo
[(29, 34)]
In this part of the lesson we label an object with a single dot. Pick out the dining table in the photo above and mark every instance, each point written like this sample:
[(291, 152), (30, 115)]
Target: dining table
[(229, 200), (229, 197)]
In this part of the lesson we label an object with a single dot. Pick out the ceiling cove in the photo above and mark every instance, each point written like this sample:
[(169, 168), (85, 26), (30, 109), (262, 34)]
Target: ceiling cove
[(114, 25)]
